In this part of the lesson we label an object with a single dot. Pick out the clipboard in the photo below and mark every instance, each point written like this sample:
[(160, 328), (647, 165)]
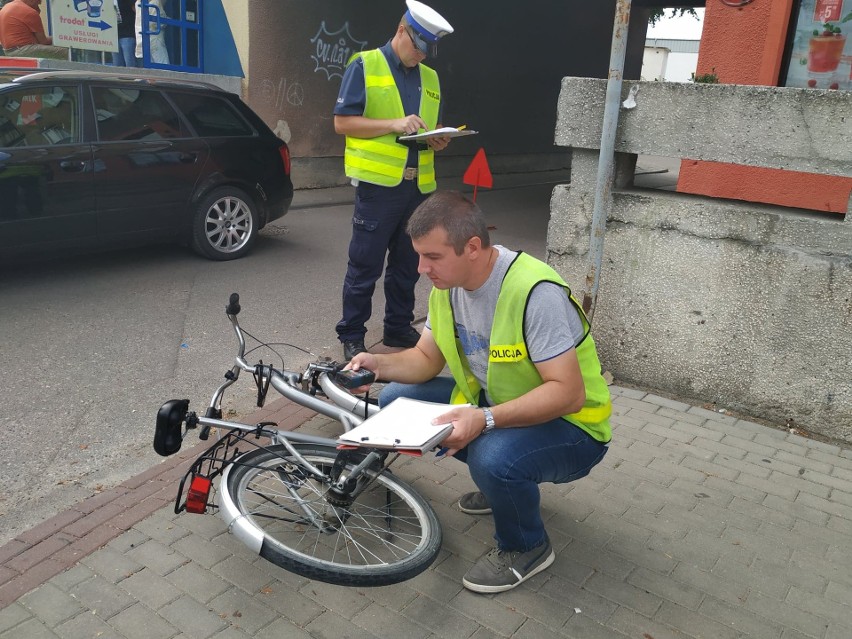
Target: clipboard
[(404, 425), (447, 131)]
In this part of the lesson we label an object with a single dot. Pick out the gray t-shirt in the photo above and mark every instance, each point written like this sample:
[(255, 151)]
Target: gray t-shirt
[(552, 324)]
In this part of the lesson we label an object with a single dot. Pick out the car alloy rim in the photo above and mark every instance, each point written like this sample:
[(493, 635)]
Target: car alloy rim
[(228, 225)]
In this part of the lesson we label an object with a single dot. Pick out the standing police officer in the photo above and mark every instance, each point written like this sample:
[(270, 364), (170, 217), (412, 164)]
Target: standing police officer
[(385, 93)]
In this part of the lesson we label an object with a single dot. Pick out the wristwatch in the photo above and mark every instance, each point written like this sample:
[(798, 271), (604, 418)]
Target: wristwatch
[(489, 419)]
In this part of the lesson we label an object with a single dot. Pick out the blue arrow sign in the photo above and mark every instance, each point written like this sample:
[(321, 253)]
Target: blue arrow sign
[(100, 24)]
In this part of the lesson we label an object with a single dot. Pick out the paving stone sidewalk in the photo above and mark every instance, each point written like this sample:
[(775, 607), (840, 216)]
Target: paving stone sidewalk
[(696, 525)]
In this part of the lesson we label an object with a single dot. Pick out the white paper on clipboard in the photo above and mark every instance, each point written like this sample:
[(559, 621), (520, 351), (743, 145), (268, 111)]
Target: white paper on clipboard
[(403, 424), (447, 131)]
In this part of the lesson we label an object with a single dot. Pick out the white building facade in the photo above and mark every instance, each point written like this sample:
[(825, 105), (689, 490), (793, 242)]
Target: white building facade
[(670, 60)]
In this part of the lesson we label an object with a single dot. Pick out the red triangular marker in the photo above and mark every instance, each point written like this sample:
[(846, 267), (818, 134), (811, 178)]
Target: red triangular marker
[(478, 174)]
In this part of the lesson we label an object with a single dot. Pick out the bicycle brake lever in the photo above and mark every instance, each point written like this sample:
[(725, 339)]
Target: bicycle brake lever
[(262, 383), (213, 413)]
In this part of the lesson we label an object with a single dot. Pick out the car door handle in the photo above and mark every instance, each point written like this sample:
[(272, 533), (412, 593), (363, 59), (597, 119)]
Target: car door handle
[(188, 158), (72, 166)]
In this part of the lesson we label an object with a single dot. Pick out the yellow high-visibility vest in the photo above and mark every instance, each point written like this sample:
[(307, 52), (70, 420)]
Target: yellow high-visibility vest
[(382, 160), (511, 373)]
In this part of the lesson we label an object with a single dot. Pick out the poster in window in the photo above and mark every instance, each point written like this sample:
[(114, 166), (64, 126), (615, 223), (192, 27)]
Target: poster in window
[(821, 56), (30, 109)]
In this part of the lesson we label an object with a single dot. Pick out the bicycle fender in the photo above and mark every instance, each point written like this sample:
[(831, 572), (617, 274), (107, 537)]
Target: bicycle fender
[(170, 418), (238, 525)]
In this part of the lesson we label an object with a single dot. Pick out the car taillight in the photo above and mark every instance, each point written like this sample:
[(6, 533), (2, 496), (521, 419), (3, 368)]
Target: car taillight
[(285, 157), (196, 497)]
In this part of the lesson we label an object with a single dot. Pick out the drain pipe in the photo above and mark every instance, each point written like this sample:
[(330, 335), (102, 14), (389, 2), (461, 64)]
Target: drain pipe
[(606, 160)]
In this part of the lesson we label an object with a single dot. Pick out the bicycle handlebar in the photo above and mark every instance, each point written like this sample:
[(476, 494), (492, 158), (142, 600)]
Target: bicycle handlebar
[(347, 408)]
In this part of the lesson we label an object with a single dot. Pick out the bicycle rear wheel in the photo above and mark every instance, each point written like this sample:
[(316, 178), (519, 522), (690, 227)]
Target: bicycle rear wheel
[(388, 534)]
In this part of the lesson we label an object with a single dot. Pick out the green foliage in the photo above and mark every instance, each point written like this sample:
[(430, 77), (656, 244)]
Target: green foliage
[(706, 78), (832, 27), (827, 28), (658, 13)]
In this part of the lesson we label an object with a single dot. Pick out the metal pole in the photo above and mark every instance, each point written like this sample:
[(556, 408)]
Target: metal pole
[(606, 160)]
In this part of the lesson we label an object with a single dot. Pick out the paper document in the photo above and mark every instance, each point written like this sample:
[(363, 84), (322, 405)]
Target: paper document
[(402, 424), (447, 131)]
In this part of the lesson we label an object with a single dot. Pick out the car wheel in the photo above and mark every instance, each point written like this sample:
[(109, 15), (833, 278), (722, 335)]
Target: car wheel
[(225, 225)]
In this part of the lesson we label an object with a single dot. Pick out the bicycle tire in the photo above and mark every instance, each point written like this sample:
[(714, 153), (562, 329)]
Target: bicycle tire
[(387, 535)]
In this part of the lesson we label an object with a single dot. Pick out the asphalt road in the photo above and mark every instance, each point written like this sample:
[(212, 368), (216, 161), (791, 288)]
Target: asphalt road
[(93, 345)]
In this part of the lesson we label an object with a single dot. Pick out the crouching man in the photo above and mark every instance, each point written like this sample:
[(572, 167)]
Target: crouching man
[(518, 346)]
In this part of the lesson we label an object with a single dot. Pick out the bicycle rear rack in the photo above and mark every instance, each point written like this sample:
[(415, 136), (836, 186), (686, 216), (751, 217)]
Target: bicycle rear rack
[(206, 468)]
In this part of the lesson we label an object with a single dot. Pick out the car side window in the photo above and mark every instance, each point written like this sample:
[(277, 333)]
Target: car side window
[(135, 114), (211, 116), (39, 116)]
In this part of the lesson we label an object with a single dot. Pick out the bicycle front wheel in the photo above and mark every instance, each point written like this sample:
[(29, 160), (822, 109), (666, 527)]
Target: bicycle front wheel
[(388, 534)]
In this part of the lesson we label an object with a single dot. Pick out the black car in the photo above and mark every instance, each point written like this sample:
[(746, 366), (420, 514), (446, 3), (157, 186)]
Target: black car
[(95, 160)]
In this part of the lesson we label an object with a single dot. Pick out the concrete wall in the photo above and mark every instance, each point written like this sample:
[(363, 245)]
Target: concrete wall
[(745, 305)]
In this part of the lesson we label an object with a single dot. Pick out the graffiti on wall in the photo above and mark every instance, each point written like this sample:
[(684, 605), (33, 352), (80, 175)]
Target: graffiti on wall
[(332, 50), (276, 94)]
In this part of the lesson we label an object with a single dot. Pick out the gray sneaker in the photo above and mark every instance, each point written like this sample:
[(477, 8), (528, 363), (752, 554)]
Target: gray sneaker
[(500, 570), (474, 504)]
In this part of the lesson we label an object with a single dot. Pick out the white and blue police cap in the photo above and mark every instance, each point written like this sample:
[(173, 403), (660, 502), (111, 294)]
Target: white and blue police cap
[(427, 27)]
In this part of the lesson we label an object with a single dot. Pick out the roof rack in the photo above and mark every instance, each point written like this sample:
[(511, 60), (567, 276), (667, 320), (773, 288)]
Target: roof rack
[(67, 74)]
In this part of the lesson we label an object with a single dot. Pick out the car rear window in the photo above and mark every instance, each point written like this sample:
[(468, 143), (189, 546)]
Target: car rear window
[(39, 116), (135, 114), (211, 116)]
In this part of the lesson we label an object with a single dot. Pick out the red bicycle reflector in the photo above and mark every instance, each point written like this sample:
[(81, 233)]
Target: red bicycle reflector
[(196, 498)]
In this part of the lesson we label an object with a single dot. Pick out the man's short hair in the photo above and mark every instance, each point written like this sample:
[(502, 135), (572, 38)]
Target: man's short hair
[(459, 216)]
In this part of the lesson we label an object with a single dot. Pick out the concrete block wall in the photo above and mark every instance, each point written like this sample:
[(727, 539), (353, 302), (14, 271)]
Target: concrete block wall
[(744, 305)]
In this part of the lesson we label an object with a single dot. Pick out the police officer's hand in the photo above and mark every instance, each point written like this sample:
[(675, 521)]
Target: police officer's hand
[(438, 144), (468, 424), (409, 125), (363, 360)]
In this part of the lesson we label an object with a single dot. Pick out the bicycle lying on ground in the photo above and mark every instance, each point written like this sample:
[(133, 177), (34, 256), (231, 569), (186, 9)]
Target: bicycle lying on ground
[(339, 516)]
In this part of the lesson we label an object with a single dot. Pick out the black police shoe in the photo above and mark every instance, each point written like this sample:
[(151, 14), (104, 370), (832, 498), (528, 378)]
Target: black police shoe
[(352, 347), (408, 338)]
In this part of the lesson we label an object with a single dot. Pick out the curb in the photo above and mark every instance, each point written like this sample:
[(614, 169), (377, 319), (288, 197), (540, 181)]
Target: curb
[(42, 552)]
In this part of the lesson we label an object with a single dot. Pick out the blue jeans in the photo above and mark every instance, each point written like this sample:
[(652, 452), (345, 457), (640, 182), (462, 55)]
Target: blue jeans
[(126, 54), (508, 464)]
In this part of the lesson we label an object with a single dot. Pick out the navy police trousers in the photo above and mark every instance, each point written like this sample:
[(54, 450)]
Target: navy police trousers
[(378, 231)]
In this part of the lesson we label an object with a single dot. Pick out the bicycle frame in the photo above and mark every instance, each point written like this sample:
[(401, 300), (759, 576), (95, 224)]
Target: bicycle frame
[(299, 388), (303, 502)]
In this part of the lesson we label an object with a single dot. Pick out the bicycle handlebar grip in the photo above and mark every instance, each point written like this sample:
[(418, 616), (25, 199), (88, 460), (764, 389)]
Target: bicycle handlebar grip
[(233, 307)]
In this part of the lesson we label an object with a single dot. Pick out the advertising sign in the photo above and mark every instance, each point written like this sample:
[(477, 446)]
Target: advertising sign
[(821, 57), (84, 24)]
